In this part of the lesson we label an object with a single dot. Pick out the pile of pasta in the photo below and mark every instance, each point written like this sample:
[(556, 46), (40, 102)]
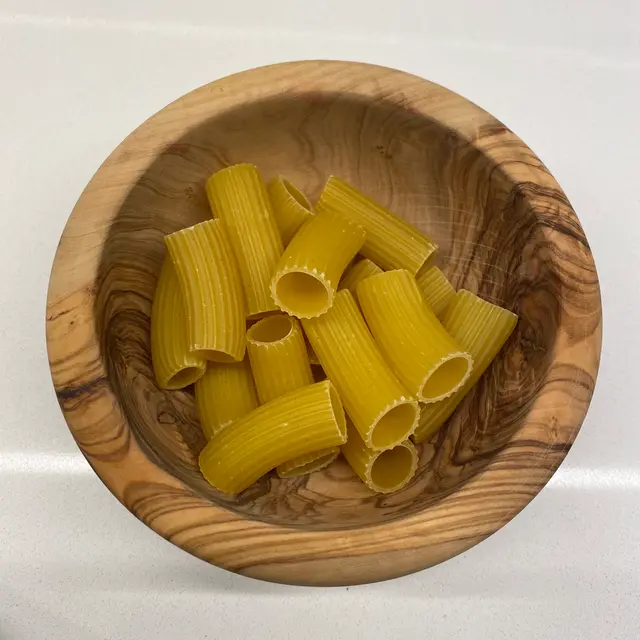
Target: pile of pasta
[(314, 332)]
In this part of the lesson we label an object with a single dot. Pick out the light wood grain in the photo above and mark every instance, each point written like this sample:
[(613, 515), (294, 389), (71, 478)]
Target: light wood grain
[(506, 231)]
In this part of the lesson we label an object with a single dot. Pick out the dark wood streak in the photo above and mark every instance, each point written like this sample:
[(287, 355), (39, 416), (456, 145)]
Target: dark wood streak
[(506, 230)]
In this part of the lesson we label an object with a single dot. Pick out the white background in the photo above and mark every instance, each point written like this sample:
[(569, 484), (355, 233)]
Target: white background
[(76, 76)]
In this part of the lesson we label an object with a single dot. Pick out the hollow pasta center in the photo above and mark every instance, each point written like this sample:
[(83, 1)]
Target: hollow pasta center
[(390, 468), (271, 329), (445, 378), (302, 294), (394, 426)]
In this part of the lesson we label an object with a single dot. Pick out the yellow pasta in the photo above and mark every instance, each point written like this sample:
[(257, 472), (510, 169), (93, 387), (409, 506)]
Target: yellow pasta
[(437, 291), (224, 394), (482, 329), (308, 463), (427, 360), (381, 471), (360, 271), (310, 269), (382, 410), (211, 288), (290, 207), (174, 366), (300, 422), (238, 197), (391, 242), (278, 356)]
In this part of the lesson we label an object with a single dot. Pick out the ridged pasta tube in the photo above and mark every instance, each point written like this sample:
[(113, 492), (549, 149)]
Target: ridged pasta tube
[(382, 410), (224, 394), (238, 197), (482, 329), (358, 272), (174, 366), (290, 207), (211, 289), (391, 242), (303, 421), (429, 362), (437, 291), (310, 269)]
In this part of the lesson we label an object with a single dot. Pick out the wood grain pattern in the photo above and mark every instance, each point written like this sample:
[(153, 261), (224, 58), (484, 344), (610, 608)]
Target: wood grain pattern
[(506, 231)]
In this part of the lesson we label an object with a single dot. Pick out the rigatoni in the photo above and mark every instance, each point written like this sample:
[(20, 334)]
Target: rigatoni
[(482, 329), (381, 471), (303, 421), (391, 242), (278, 356), (308, 463), (238, 197), (224, 394), (213, 298), (358, 272), (307, 276), (290, 207), (437, 291), (380, 407), (174, 366), (430, 363)]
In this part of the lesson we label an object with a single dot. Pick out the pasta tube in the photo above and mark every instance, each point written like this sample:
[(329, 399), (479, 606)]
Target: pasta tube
[(427, 360), (381, 471), (482, 329), (380, 407), (308, 463), (360, 271), (224, 394), (310, 269), (303, 421), (174, 366), (437, 291), (239, 198), (278, 356), (391, 242), (290, 207), (211, 288)]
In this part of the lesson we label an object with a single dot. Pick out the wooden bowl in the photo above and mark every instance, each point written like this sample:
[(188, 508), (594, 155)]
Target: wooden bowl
[(506, 231)]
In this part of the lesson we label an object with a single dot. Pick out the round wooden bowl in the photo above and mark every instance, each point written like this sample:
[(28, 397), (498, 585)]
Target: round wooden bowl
[(505, 229)]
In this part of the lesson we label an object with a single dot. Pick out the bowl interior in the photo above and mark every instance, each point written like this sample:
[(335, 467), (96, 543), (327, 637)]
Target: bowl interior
[(489, 243)]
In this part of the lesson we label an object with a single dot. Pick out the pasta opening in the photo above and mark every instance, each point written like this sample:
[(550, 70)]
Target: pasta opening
[(392, 468), (394, 426), (338, 411), (185, 377), (297, 195), (271, 329), (302, 294), (446, 379)]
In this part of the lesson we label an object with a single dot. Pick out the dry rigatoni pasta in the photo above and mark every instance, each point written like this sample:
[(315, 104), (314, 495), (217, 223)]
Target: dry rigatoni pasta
[(224, 394), (211, 289), (238, 197), (278, 356), (380, 407), (174, 365), (306, 420), (482, 329), (358, 272), (381, 471), (437, 291), (430, 363), (290, 207), (308, 463), (307, 276), (391, 242)]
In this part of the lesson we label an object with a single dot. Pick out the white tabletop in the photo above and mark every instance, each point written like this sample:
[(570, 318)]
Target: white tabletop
[(76, 76)]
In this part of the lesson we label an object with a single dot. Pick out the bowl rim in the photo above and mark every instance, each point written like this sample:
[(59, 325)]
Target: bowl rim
[(266, 551)]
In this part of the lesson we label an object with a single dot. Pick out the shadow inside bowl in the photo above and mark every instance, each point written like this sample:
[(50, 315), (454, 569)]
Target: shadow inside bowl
[(490, 242)]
